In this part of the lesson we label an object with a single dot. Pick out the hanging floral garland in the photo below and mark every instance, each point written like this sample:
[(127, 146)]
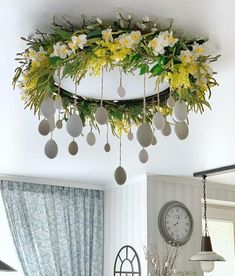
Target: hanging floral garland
[(94, 47)]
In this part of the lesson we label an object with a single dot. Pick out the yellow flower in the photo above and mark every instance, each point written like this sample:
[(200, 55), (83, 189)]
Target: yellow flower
[(179, 78), (107, 35), (198, 50), (186, 56), (100, 52)]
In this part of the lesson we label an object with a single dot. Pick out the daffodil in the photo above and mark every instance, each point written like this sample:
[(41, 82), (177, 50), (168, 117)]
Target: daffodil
[(186, 56), (157, 45), (125, 41), (135, 36), (146, 19), (168, 39), (198, 49), (77, 42), (61, 50), (172, 40), (107, 35), (41, 55)]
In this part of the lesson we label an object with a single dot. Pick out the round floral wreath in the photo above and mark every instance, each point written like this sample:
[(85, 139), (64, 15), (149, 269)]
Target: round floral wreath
[(94, 46)]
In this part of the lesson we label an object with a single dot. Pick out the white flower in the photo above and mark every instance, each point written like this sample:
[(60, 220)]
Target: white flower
[(146, 19), (125, 41), (99, 20), (77, 42), (107, 35), (154, 29), (129, 16), (186, 56), (141, 26), (135, 36), (157, 45), (172, 40), (41, 54), (60, 50), (198, 50)]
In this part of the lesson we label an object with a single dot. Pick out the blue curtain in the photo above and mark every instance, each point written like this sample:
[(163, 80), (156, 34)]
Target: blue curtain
[(58, 231)]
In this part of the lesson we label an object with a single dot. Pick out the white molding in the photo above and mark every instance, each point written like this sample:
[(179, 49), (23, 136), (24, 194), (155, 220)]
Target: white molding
[(130, 181), (183, 180), (51, 181)]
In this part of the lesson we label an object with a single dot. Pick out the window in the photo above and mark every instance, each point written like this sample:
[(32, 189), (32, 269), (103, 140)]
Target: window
[(221, 222), (7, 248)]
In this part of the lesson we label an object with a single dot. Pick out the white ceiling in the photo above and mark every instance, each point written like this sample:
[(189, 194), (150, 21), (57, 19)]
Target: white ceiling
[(211, 142)]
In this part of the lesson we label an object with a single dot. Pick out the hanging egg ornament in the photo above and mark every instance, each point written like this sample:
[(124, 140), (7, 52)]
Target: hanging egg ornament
[(58, 103), (159, 120), (154, 140), (130, 136), (51, 149), (74, 125), (181, 130), (73, 148), (90, 139), (121, 92), (180, 111), (107, 147), (120, 175), (144, 135), (143, 156), (170, 102), (59, 124), (101, 115), (47, 107), (166, 131), (44, 127), (51, 122)]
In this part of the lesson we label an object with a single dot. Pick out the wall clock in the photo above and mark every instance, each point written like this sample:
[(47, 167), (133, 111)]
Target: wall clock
[(175, 223)]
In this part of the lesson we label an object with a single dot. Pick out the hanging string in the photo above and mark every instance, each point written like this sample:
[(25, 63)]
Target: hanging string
[(158, 96), (75, 96), (205, 205), (107, 133), (59, 81), (102, 85), (120, 70), (120, 150), (144, 98)]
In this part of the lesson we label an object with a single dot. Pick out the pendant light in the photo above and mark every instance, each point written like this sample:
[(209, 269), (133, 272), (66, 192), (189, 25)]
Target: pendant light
[(206, 256), (5, 267)]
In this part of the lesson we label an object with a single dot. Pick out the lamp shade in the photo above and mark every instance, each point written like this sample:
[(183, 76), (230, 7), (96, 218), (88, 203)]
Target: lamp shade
[(5, 267), (206, 253)]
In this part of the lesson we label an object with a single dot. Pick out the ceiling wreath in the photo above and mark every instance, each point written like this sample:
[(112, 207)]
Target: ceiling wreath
[(95, 47)]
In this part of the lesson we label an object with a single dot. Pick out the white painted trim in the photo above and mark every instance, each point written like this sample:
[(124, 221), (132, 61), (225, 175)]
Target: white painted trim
[(51, 181), (130, 181), (190, 181)]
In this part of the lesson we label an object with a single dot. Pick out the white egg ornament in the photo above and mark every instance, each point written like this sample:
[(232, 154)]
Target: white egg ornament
[(143, 156), (58, 103), (144, 135), (130, 136), (107, 147), (120, 175), (51, 149), (47, 107), (90, 139), (181, 130), (121, 92), (44, 127), (166, 131), (51, 122), (180, 111), (159, 120), (59, 124), (74, 125), (154, 140), (73, 148), (101, 115), (170, 102)]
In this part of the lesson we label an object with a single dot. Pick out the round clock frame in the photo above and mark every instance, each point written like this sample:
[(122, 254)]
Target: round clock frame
[(162, 223)]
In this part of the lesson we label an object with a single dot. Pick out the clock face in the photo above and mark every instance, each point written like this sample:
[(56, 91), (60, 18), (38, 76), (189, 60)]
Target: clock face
[(175, 223)]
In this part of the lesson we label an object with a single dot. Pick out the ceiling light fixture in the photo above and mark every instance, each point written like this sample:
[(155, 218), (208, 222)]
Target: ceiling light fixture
[(5, 267), (207, 256)]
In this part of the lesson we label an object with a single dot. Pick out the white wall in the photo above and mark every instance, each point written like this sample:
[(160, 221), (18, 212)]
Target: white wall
[(163, 189), (125, 221)]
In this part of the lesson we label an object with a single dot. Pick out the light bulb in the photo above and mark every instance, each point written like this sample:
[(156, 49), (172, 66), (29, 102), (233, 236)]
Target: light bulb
[(207, 266)]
